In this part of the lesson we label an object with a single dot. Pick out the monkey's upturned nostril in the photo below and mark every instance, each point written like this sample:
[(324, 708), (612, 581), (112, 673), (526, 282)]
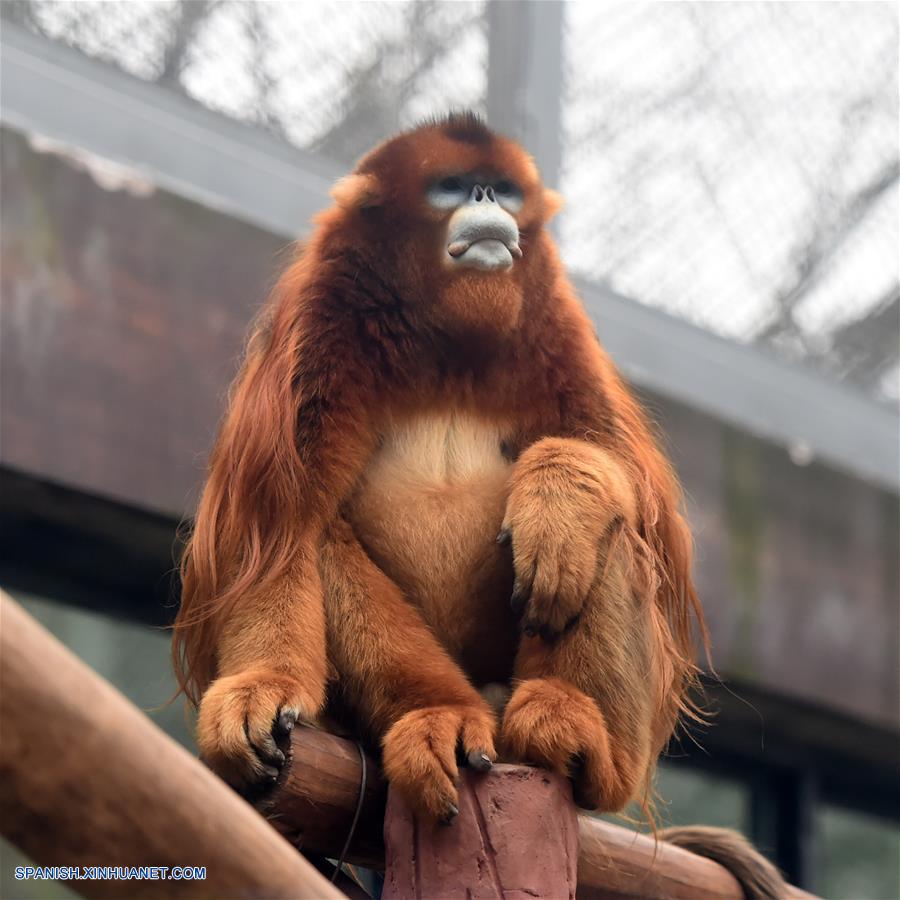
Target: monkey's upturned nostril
[(478, 193), (489, 194)]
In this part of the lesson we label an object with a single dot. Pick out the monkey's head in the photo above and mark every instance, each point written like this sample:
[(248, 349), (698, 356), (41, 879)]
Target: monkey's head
[(454, 211)]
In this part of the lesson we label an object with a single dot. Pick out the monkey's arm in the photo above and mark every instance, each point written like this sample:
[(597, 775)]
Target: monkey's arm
[(595, 692), (297, 435), (400, 680), (602, 558)]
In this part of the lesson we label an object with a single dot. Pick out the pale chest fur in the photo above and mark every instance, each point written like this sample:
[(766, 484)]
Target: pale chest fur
[(428, 509)]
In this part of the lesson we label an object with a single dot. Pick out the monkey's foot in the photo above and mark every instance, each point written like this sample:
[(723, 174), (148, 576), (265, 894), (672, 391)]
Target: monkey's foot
[(240, 718), (552, 724), (420, 755)]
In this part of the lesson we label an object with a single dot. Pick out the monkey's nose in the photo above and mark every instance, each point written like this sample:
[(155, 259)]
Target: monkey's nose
[(482, 194)]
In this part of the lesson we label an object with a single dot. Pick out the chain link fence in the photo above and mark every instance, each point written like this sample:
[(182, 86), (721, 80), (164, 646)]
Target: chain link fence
[(734, 164)]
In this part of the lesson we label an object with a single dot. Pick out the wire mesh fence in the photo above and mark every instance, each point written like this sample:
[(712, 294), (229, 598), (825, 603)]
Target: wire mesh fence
[(734, 164), (331, 77)]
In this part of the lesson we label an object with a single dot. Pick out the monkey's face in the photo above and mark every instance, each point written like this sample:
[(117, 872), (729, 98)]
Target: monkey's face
[(455, 210)]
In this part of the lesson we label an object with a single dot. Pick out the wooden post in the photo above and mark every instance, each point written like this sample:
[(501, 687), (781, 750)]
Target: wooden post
[(87, 780), (516, 837)]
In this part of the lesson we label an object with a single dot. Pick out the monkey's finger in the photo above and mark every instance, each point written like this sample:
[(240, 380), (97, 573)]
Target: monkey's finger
[(477, 736), (586, 773), (223, 742), (451, 813), (504, 539), (550, 629), (266, 750), (477, 759)]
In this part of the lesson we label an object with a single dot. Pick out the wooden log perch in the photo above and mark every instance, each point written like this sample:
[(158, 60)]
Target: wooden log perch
[(314, 801), (87, 780)]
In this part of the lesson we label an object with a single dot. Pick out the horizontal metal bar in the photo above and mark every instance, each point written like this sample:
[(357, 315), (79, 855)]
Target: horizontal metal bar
[(59, 93), (748, 388), (51, 90)]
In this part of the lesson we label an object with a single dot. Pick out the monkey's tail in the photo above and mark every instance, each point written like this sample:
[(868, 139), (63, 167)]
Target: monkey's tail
[(758, 878)]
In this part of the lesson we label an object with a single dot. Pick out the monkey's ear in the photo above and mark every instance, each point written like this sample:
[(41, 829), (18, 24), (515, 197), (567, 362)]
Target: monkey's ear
[(553, 203), (358, 192)]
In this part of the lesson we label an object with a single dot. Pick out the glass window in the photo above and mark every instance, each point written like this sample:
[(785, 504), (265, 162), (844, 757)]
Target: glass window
[(133, 657), (687, 796), (859, 856)]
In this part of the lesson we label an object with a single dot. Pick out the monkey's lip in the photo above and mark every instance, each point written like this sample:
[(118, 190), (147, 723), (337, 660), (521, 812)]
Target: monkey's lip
[(458, 248), (487, 254), (486, 239)]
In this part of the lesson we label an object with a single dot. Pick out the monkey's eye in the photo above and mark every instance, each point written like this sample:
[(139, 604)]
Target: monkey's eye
[(448, 192), (508, 195), (451, 185)]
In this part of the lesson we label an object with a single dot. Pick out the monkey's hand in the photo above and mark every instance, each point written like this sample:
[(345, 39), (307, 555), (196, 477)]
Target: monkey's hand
[(564, 496), (421, 751), (241, 716)]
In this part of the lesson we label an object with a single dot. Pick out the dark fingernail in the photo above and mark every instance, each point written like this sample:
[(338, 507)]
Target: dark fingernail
[(271, 773), (480, 761), (286, 722), (504, 537), (279, 758), (452, 813)]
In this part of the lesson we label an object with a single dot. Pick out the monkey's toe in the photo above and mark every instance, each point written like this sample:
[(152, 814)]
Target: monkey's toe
[(420, 755), (552, 724), (480, 761), (242, 719)]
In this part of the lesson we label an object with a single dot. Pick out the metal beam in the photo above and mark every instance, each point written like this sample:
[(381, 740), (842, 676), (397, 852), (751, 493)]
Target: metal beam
[(524, 96), (51, 90), (789, 405)]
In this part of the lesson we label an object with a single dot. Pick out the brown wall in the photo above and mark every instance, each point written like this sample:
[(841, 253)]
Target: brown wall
[(123, 315)]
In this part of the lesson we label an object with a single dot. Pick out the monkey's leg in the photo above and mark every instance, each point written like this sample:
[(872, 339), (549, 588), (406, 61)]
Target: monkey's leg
[(595, 703), (400, 680)]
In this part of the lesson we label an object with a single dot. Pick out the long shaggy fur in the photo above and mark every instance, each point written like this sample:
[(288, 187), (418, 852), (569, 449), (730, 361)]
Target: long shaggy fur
[(367, 348)]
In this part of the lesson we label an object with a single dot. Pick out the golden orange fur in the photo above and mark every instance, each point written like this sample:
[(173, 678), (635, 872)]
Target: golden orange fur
[(392, 417)]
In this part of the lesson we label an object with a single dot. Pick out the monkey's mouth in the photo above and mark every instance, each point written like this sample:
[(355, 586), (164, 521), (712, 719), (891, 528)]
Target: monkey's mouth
[(486, 245)]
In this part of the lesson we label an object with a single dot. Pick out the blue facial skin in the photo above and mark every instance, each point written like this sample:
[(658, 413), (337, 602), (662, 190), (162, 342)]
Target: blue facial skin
[(453, 191), (482, 232)]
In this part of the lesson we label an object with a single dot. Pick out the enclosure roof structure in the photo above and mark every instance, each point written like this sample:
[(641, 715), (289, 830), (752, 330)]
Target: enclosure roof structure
[(54, 93)]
